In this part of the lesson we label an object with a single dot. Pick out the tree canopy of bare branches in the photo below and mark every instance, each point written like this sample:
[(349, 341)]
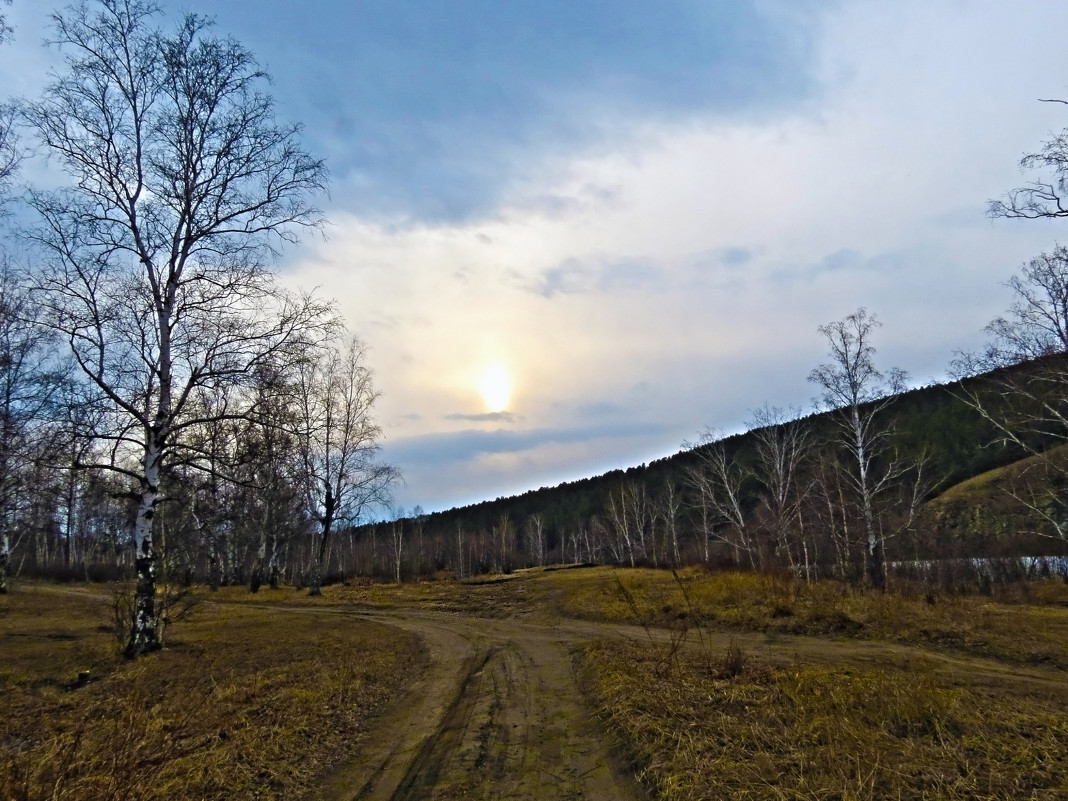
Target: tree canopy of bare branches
[(1044, 197), (858, 391), (338, 440), (182, 187), (1036, 322)]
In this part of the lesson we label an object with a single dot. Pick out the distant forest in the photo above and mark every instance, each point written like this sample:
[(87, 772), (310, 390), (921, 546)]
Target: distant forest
[(947, 481), (777, 497)]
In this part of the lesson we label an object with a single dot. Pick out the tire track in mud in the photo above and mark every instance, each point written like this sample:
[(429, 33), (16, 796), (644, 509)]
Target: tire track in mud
[(425, 771)]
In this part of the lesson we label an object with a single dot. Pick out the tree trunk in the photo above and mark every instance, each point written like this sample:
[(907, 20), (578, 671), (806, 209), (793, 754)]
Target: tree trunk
[(256, 575), (272, 563), (327, 522), (315, 568), (459, 551), (5, 558), (144, 633)]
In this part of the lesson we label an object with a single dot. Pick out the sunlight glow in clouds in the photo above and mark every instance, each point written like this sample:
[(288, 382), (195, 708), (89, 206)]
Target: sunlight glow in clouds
[(496, 389), (645, 292), (635, 229)]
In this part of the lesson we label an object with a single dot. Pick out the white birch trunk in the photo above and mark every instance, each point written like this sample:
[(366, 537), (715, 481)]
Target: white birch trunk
[(5, 559), (144, 633)]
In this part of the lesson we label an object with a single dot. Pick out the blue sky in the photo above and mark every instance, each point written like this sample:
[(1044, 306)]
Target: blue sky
[(636, 214)]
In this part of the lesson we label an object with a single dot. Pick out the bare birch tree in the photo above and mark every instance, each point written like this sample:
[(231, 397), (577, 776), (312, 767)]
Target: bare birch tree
[(629, 515), (1036, 322), (460, 572), (10, 154), (1045, 197), (857, 392), (182, 187), (30, 380), (5, 29), (536, 539), (782, 442), (669, 510), (396, 541), (270, 463), (339, 443), (719, 480), (1028, 407), (9, 160)]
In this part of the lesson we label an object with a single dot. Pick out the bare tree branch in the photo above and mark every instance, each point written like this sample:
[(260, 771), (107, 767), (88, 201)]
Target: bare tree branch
[(182, 188)]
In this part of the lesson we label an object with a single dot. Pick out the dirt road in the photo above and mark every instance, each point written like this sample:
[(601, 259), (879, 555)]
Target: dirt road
[(497, 715)]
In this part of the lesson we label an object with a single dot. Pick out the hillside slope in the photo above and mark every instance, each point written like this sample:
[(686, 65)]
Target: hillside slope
[(967, 472)]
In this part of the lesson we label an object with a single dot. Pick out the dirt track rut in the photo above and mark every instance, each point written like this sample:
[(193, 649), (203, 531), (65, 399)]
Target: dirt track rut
[(497, 715)]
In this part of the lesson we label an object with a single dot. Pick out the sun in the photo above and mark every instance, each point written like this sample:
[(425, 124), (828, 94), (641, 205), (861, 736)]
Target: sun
[(496, 387)]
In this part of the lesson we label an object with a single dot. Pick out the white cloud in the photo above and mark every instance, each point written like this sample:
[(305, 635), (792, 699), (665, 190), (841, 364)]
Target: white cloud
[(680, 282)]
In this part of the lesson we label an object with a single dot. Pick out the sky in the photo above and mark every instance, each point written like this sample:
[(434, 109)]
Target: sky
[(576, 234)]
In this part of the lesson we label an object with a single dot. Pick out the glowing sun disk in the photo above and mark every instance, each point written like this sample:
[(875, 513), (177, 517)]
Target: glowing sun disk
[(496, 389)]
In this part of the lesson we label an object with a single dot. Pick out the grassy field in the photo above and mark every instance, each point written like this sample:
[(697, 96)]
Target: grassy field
[(244, 702), (1026, 624), (906, 695), (736, 727), (936, 719)]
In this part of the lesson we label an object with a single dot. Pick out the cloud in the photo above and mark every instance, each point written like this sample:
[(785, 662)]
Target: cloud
[(443, 470), (567, 277), (602, 275), (440, 449), (433, 110), (487, 417), (847, 259), (734, 256)]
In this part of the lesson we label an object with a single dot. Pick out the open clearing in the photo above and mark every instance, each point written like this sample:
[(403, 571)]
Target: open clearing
[(538, 687)]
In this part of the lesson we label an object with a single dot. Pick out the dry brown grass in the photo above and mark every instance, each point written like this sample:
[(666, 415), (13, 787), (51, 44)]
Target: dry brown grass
[(493, 596), (255, 697), (1031, 627), (245, 702), (734, 727)]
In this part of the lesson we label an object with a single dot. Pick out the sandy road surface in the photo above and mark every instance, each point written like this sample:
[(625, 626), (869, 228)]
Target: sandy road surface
[(497, 715)]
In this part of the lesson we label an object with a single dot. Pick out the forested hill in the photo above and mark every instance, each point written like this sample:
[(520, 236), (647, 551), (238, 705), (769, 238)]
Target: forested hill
[(929, 440)]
